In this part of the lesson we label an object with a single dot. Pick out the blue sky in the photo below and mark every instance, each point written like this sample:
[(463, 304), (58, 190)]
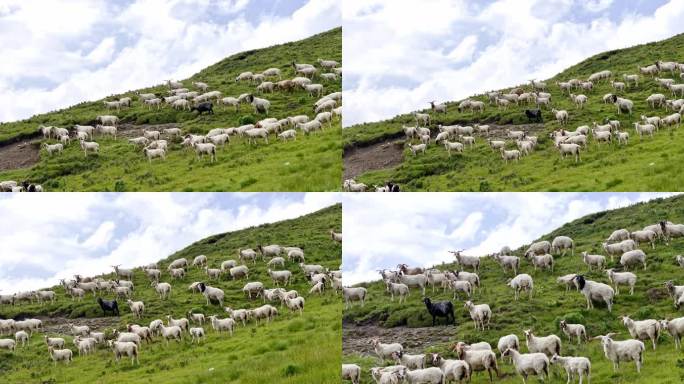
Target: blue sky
[(381, 230), (449, 49), (67, 51), (47, 237)]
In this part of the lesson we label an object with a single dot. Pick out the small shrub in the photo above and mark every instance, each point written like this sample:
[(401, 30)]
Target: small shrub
[(247, 119)]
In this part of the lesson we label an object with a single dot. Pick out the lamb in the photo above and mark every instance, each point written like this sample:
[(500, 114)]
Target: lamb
[(634, 257), (527, 364), (399, 289), (598, 261), (621, 278), (53, 148), (137, 307), (625, 350), (643, 330), (521, 282), (479, 360), (89, 146), (676, 329), (644, 236), (547, 345), (580, 366), (481, 314), (595, 291), (135, 334), (351, 372), (196, 317), (220, 325), (562, 243), (472, 278), (573, 330), (352, 294), (60, 355)]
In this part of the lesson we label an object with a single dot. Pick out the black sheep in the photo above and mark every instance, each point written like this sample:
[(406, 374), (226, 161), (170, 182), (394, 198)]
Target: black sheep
[(108, 305), (440, 309), (534, 114), (204, 107)]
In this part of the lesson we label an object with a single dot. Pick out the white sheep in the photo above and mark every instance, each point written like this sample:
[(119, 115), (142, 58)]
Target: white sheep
[(547, 345), (352, 294), (481, 314), (478, 360), (573, 330), (529, 364), (508, 262), (163, 289), (89, 146), (59, 355), (598, 261), (351, 372), (462, 286), (399, 289), (55, 342), (539, 248), (521, 282), (266, 311), (23, 337), (595, 291), (221, 325), (625, 350), (581, 366), (542, 261), (509, 341), (385, 351), (137, 307), (644, 236), (432, 375), (676, 329), (643, 329), (238, 272), (633, 257), (562, 243), (242, 315)]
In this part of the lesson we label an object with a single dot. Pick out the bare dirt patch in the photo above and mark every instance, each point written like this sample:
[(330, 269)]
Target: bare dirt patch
[(19, 155), (60, 325), (356, 339), (381, 155), (389, 153)]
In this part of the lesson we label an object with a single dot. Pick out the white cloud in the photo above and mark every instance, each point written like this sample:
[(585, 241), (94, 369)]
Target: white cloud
[(48, 237), (72, 51), (471, 48), (383, 231)]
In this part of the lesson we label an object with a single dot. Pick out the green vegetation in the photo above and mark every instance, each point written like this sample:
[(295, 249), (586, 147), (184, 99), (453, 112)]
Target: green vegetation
[(551, 303), (292, 349), (648, 165), (311, 163)]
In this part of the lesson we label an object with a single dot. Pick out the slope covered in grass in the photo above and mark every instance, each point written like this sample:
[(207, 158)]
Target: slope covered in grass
[(551, 303), (309, 163), (648, 165), (292, 349)]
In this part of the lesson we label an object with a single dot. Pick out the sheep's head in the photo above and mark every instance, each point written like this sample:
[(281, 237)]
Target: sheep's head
[(528, 333), (563, 324)]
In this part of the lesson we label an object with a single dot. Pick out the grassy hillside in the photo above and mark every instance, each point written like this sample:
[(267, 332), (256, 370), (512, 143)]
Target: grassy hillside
[(551, 303), (293, 349), (309, 163), (642, 166)]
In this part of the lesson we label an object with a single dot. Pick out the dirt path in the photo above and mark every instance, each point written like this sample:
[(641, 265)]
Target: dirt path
[(389, 153), (19, 155), (356, 339), (60, 325)]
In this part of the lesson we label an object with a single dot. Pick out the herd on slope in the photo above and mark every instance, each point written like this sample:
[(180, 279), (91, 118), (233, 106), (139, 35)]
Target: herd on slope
[(542, 350), (128, 343), (156, 144)]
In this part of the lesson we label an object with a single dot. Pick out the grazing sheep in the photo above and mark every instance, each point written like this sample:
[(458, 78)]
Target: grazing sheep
[(529, 364), (644, 236), (55, 342), (508, 262), (595, 291), (509, 341), (634, 257), (163, 289), (351, 372), (625, 350), (547, 345), (59, 355), (414, 281), (213, 295), (598, 261), (354, 294), (432, 375), (255, 289), (581, 366), (221, 325), (453, 370), (562, 243), (521, 282), (542, 261), (463, 286), (539, 248), (137, 307), (478, 360), (619, 248), (676, 329), (621, 278), (643, 330), (238, 272), (23, 337), (267, 312), (573, 330), (385, 351)]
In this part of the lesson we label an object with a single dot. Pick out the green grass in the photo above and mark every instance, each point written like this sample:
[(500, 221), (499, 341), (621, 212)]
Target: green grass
[(649, 165), (308, 164), (551, 303), (293, 349)]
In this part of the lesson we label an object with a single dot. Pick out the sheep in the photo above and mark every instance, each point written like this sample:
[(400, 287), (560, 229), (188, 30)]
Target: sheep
[(247, 254), (221, 325), (562, 243), (399, 289), (266, 311), (644, 129), (197, 333), (481, 314), (619, 248), (633, 257), (239, 271), (385, 351), (178, 263), (55, 342), (644, 236), (539, 248), (196, 317), (466, 261), (255, 289), (547, 345), (295, 304), (423, 118), (527, 364), (671, 230), (676, 329), (676, 88), (478, 360), (432, 375), (351, 372), (621, 278), (276, 261), (79, 330), (631, 79), (573, 330), (414, 281), (177, 273), (135, 334), (84, 345), (123, 292), (595, 291), (296, 255), (579, 100), (643, 330), (53, 148), (163, 289), (43, 296), (508, 262), (59, 355), (542, 261), (574, 365), (98, 336), (205, 148), (672, 119), (409, 132), (153, 274), (416, 148), (598, 261), (508, 342), (227, 264), (561, 116), (212, 294), (311, 126), (675, 291), (521, 282), (625, 350), (23, 337), (622, 104), (137, 307), (352, 294)]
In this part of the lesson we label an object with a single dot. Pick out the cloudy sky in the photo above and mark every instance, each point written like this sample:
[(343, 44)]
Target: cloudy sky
[(60, 52), (47, 237), (383, 230), (399, 56)]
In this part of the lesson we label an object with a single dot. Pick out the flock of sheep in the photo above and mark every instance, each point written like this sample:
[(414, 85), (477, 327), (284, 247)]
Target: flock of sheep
[(128, 342), (155, 144), (542, 350), (518, 143)]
